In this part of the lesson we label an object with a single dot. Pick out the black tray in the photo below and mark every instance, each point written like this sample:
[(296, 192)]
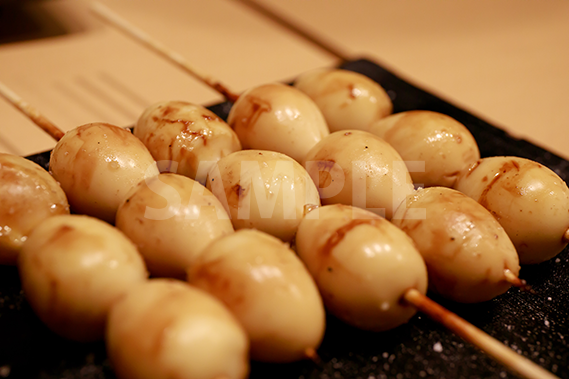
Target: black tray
[(536, 325)]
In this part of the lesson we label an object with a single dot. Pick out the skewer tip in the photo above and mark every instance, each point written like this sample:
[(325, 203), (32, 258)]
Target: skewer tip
[(515, 281), (565, 237), (113, 19), (311, 354)]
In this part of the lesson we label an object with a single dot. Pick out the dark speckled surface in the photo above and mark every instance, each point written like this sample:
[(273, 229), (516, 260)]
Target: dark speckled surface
[(535, 325)]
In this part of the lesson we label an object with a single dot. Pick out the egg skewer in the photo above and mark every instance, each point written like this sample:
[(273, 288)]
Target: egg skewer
[(272, 116), (371, 276), (371, 175), (75, 270)]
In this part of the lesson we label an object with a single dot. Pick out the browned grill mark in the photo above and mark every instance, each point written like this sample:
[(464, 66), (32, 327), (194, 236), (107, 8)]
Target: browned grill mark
[(83, 178), (324, 169), (167, 110), (211, 277), (123, 134), (82, 181), (353, 94), (9, 173), (193, 135), (325, 165), (341, 232), (233, 194), (258, 107), (209, 273), (473, 167), (410, 226), (238, 190), (187, 123), (506, 167), (62, 231)]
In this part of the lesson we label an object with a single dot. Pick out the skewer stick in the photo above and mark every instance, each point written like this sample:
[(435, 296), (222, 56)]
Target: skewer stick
[(517, 282), (138, 35), (39, 119), (313, 356), (295, 28), (489, 345)]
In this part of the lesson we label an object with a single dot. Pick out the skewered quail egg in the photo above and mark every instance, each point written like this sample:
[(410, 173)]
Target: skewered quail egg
[(348, 100), (28, 195), (97, 164)]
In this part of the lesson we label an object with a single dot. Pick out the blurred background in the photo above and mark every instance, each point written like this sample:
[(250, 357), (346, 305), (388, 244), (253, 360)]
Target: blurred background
[(506, 61)]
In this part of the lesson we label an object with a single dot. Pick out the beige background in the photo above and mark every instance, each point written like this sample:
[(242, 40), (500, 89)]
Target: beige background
[(505, 60)]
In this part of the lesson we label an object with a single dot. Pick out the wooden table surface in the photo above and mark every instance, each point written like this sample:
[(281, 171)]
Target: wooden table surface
[(506, 61)]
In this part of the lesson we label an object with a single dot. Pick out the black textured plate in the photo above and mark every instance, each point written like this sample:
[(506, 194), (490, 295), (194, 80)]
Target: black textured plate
[(536, 325)]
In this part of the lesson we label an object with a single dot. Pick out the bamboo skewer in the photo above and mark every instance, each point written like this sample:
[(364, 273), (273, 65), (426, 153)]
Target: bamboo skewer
[(289, 25), (489, 345), (107, 15), (39, 119), (517, 282), (453, 322)]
